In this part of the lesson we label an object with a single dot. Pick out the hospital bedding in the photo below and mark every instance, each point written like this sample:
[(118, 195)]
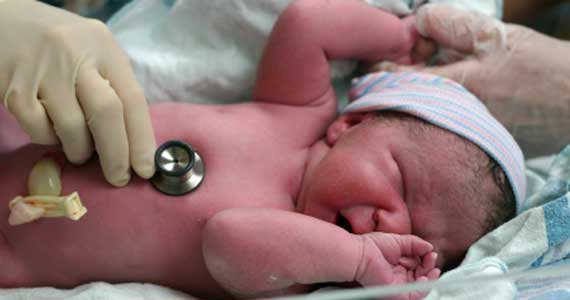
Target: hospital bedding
[(207, 51), (538, 237)]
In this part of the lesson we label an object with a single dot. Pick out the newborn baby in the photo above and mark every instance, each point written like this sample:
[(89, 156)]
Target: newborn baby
[(292, 196)]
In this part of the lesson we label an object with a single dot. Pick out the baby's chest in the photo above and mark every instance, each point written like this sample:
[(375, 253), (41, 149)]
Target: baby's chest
[(254, 174), (242, 185)]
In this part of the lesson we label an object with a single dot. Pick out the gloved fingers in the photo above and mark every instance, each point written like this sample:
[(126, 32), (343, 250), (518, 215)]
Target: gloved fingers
[(447, 56), (463, 72), (68, 120), (461, 30), (19, 95), (142, 144), (23, 103), (384, 66), (423, 50), (104, 114)]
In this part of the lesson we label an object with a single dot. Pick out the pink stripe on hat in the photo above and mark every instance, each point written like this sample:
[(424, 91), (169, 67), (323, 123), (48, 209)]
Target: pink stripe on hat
[(446, 104)]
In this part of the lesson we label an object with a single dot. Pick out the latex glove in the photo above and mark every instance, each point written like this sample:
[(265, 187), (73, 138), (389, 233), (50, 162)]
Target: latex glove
[(503, 62), (520, 74), (66, 81)]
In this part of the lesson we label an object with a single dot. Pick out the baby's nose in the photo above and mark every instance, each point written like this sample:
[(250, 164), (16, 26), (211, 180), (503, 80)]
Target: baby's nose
[(396, 220), (360, 218), (366, 218)]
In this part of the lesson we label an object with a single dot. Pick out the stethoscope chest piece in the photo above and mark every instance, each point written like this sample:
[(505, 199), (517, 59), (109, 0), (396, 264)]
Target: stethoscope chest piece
[(179, 169)]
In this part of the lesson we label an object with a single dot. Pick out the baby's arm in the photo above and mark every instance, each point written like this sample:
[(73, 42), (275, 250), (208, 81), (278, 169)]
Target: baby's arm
[(265, 252), (294, 68)]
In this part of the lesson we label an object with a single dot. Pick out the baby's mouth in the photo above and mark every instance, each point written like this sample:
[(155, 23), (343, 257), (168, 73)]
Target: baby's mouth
[(343, 223)]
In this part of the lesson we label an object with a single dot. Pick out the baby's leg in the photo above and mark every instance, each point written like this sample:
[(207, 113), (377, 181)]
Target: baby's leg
[(12, 183), (107, 207), (12, 273), (15, 166)]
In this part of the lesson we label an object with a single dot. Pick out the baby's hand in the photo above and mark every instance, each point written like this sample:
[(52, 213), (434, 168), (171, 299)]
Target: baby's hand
[(396, 259)]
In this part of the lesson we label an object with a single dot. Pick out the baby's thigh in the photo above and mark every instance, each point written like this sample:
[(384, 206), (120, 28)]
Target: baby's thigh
[(15, 166), (86, 179), (12, 274)]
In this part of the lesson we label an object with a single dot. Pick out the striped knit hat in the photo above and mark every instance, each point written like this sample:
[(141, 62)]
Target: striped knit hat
[(446, 104)]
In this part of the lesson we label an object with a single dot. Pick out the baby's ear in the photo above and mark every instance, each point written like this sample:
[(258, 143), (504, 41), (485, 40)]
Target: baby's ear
[(344, 123)]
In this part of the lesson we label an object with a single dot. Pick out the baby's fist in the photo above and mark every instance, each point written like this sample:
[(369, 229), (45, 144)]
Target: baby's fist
[(396, 259)]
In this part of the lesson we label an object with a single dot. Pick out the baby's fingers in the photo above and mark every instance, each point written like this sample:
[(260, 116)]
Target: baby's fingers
[(409, 263), (428, 263), (423, 50), (434, 274), (411, 245)]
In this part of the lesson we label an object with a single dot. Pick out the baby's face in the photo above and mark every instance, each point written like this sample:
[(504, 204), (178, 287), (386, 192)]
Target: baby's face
[(376, 176)]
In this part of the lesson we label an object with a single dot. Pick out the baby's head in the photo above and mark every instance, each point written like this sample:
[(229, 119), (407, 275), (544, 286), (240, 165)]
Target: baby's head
[(417, 154)]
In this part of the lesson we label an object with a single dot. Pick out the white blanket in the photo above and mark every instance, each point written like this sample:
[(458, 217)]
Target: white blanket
[(207, 51), (538, 237), (96, 291)]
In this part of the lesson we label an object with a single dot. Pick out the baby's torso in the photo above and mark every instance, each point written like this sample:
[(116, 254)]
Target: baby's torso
[(138, 234)]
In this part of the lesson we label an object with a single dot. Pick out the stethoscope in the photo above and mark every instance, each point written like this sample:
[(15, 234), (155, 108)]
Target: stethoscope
[(179, 168)]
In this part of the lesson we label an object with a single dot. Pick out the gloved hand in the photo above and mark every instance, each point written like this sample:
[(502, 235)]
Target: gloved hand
[(520, 74), (66, 80), (503, 62)]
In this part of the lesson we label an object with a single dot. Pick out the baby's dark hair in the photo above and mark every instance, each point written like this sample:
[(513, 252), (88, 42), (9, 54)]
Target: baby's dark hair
[(503, 205), (499, 205)]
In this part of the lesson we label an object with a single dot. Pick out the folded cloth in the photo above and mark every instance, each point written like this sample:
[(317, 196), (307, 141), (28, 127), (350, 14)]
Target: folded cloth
[(96, 290), (207, 51)]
